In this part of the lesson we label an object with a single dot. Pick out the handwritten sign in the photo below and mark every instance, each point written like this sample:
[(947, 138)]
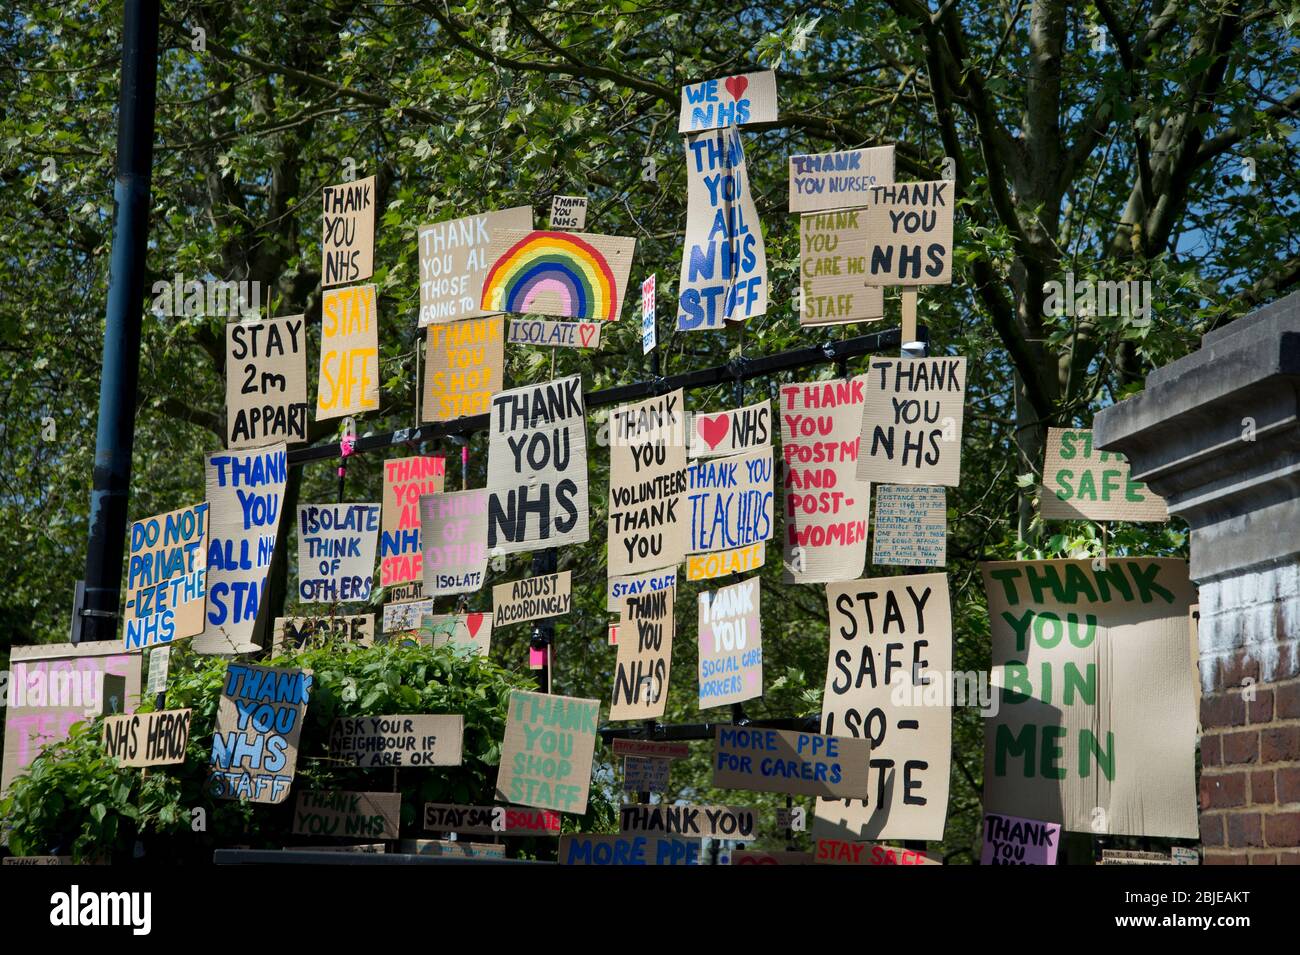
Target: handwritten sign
[(645, 657), (568, 212), (741, 560), (833, 270), (731, 644), (1080, 481), (730, 432), (647, 461), (713, 822), (662, 749), (785, 761), (349, 353), (159, 662), (472, 630), (890, 656), (406, 480), (166, 577), (348, 232), (490, 820), (533, 331), (245, 490), (585, 849), (453, 536), (730, 501), (1010, 840), (148, 739), (463, 367), (845, 852), (645, 774), (300, 633), (336, 551), (909, 233), (633, 584), (535, 598), (537, 468), (547, 752), (266, 382), (724, 260), (405, 617), (649, 330), (912, 421), (454, 261), (838, 180), (911, 525), (728, 101), (826, 506), (402, 740), (259, 721), (567, 274), (1096, 727), (349, 815)]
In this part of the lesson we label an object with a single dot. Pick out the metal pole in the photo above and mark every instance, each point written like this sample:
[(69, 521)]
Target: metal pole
[(115, 438)]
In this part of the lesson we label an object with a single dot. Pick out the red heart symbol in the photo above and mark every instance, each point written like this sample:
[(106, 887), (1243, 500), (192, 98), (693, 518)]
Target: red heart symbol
[(473, 621), (736, 86), (585, 332), (713, 430)]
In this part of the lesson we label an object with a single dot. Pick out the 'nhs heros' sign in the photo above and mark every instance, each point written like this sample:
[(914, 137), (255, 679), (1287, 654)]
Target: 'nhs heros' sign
[(166, 577), (259, 721)]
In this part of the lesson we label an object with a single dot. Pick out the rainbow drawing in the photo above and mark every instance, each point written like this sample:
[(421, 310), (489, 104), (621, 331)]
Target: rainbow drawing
[(564, 267)]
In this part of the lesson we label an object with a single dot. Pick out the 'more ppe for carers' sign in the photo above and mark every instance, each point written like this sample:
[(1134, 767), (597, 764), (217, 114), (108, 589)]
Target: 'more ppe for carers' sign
[(785, 761)]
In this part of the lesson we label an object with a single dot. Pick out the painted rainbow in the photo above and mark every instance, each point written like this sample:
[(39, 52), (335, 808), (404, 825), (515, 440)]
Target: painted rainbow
[(560, 263)]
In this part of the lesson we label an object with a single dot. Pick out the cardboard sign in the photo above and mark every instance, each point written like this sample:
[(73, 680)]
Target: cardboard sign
[(911, 525), (348, 232), (730, 502), (645, 774), (348, 815), (568, 212), (416, 740), (534, 598), (368, 848), (453, 535), (259, 721), (537, 468), (454, 261), (647, 464), (624, 746), (533, 331), (568, 274), (844, 852), (886, 680), (336, 552), (547, 752), (1010, 840), (463, 629), (585, 849), (490, 820), (38, 860), (838, 180), (912, 421), (166, 578), (463, 364), (649, 330), (742, 560), (785, 761), (53, 685), (159, 661), (826, 507), (244, 492), (301, 633), (406, 480), (349, 353), (645, 657), (1096, 727), (728, 101), (731, 644), (724, 260), (631, 585), (909, 233), (730, 432), (148, 739), (266, 382), (1080, 481), (455, 849), (762, 857), (833, 270), (714, 822)]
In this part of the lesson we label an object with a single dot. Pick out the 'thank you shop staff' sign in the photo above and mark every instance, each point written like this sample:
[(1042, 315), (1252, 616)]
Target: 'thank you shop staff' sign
[(463, 366), (547, 752)]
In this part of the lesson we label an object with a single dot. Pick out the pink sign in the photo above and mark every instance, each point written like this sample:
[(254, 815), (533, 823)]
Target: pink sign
[(1010, 840)]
